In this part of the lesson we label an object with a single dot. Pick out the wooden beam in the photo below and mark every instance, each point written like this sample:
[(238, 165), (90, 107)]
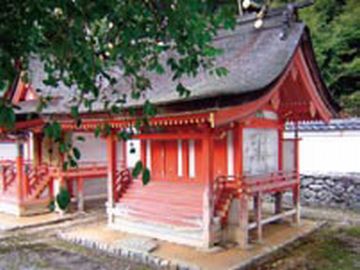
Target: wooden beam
[(273, 218), (262, 123), (169, 136)]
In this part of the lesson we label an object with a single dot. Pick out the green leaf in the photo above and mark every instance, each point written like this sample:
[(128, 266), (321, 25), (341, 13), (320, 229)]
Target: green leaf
[(65, 165), (51, 206), (137, 169), (76, 153), (149, 109), (124, 135), (80, 138), (182, 90), (72, 162), (56, 130), (62, 147), (48, 130), (221, 71), (97, 131), (63, 198), (74, 111), (146, 176)]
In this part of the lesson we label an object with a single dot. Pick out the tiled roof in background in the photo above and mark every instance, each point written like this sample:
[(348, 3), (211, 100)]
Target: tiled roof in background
[(333, 125)]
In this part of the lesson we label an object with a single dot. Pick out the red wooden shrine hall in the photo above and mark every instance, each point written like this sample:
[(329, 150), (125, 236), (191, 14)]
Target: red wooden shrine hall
[(213, 156)]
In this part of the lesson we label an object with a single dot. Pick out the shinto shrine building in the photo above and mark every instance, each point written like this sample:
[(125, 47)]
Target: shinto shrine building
[(213, 156)]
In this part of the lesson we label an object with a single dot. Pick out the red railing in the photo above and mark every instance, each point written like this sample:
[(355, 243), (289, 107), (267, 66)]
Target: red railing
[(122, 182), (272, 182), (224, 185), (37, 179), (226, 188), (8, 173)]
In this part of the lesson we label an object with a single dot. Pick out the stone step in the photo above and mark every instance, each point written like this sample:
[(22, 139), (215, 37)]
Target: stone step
[(181, 235), (160, 206), (166, 219)]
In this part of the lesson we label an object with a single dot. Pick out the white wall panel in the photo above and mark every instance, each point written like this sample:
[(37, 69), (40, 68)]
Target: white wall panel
[(337, 151), (260, 151)]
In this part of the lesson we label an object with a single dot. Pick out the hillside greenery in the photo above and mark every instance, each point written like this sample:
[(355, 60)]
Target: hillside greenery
[(335, 31)]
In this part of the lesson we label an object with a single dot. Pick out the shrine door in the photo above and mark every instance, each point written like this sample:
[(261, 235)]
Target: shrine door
[(164, 160)]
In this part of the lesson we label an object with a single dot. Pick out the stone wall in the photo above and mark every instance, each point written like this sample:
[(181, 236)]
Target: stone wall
[(331, 190)]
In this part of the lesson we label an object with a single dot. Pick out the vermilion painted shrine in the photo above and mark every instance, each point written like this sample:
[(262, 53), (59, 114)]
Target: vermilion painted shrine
[(208, 154)]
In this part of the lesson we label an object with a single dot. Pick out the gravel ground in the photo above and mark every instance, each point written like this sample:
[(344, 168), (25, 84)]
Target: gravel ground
[(24, 253)]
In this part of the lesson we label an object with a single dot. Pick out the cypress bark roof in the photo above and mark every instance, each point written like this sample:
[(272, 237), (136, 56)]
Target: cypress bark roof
[(254, 58)]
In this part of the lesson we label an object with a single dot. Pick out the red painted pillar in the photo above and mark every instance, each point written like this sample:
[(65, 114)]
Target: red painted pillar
[(111, 160), (124, 153), (37, 138), (238, 150), (19, 171), (207, 173), (143, 152)]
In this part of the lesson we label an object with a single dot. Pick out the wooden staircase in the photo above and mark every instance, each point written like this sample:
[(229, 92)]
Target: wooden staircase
[(39, 179), (226, 188), (8, 177), (170, 211)]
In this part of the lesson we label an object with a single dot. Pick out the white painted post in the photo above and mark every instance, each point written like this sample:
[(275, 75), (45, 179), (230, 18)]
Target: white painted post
[(180, 159), (80, 186), (230, 152), (191, 158)]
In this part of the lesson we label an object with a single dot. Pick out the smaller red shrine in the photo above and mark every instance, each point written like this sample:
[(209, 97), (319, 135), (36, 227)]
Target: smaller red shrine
[(209, 154)]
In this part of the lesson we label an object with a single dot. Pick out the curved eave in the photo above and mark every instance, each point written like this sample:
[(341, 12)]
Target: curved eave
[(311, 62)]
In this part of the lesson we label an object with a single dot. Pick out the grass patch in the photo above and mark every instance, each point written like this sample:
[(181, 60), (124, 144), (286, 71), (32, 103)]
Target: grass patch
[(353, 232), (329, 249)]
